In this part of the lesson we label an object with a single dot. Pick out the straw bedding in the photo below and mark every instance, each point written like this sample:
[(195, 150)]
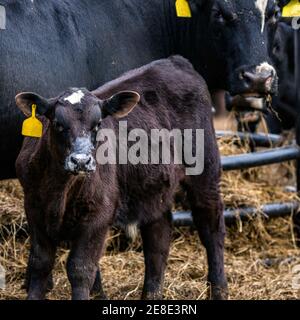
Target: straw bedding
[(259, 256)]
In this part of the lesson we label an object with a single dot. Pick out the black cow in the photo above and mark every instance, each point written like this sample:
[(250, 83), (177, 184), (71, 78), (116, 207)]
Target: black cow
[(283, 114), (284, 104), (51, 45), (69, 196)]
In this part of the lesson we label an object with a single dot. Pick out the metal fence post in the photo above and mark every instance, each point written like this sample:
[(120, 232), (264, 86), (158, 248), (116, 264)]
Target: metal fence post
[(296, 217)]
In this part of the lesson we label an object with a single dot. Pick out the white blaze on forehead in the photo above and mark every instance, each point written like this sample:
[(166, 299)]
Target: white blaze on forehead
[(261, 5), (75, 97), (2, 18)]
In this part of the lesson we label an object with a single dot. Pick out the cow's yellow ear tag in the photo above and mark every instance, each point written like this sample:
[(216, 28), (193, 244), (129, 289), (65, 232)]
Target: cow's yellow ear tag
[(32, 127), (292, 9), (183, 9)]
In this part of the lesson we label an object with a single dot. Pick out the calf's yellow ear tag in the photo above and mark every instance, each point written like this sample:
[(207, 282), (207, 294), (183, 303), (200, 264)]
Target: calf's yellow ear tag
[(183, 9), (292, 9), (32, 127)]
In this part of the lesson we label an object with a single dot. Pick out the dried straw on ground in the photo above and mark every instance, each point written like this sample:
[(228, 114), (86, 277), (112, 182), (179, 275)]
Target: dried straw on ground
[(259, 258)]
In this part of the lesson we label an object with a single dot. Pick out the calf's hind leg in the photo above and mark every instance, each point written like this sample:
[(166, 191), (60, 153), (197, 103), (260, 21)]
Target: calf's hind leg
[(207, 210), (156, 243)]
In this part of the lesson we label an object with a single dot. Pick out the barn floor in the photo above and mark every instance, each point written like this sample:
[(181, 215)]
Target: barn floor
[(259, 258), (258, 262)]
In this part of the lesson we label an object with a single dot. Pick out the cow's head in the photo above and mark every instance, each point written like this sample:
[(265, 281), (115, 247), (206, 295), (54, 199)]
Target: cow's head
[(235, 41), (75, 118), (282, 50)]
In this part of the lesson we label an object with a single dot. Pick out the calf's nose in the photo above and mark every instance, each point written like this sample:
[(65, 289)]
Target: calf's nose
[(81, 159), (81, 162)]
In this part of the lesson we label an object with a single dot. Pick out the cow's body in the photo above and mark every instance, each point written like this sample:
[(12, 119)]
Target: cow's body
[(48, 46), (52, 45), (61, 206)]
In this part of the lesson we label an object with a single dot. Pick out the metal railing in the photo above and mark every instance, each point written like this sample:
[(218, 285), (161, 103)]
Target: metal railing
[(252, 160), (273, 210)]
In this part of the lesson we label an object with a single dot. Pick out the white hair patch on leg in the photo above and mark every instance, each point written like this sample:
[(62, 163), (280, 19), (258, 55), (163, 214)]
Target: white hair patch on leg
[(261, 5), (132, 231), (75, 97)]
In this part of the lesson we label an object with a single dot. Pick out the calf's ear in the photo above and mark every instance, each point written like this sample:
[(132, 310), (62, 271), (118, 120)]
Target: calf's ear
[(120, 104), (25, 100)]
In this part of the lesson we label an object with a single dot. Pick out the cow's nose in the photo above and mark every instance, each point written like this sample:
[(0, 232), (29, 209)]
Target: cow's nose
[(260, 79), (258, 82), (81, 162)]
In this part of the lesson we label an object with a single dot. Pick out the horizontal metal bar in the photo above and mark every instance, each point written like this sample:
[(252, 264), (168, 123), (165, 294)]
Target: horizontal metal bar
[(260, 158), (259, 139), (184, 219)]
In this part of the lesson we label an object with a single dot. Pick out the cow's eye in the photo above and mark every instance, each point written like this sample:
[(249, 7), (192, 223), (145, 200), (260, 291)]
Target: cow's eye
[(223, 17), (274, 15), (276, 48), (218, 16)]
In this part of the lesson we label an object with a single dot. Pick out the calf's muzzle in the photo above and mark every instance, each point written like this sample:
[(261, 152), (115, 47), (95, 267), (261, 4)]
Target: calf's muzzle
[(81, 159), (80, 163)]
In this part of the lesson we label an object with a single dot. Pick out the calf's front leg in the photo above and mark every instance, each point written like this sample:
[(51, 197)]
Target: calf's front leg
[(97, 289), (28, 276), (82, 265), (40, 265)]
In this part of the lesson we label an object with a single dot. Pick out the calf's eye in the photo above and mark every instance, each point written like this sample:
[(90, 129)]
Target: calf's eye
[(58, 127)]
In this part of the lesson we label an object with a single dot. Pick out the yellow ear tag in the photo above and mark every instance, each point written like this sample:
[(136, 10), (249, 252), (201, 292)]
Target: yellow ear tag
[(183, 9), (32, 127), (292, 9)]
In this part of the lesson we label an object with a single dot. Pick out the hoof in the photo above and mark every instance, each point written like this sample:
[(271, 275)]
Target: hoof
[(218, 293), (100, 296), (152, 295)]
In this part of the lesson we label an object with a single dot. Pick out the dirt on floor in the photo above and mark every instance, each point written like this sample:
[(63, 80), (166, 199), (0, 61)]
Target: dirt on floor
[(261, 258)]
